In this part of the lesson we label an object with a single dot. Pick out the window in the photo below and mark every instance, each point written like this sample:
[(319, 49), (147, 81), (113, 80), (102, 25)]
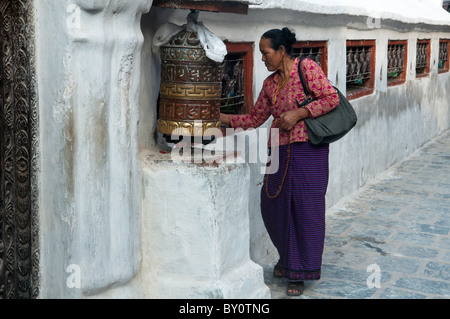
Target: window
[(423, 58), (237, 82), (397, 62), (446, 5), (443, 56), (314, 50), (360, 79)]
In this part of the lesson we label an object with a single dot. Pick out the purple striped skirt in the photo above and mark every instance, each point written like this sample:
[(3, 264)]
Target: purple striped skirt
[(295, 220)]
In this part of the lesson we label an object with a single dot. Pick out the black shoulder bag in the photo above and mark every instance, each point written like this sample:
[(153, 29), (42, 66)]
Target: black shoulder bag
[(332, 126)]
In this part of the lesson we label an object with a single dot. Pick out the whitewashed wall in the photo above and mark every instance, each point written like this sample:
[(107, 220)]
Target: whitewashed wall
[(104, 204), (393, 122), (104, 211)]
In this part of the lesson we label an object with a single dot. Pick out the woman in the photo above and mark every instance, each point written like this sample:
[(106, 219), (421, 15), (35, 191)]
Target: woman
[(293, 198)]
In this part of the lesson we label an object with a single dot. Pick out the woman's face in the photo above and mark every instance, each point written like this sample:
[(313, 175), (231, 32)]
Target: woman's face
[(271, 58)]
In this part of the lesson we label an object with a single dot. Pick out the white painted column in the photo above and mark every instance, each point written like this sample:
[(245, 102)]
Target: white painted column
[(196, 235), (88, 61)]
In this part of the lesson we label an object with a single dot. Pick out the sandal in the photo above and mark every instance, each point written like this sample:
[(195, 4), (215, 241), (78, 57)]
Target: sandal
[(277, 270), (295, 288)]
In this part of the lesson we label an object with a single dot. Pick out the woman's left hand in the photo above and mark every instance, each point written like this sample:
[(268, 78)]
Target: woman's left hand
[(290, 118)]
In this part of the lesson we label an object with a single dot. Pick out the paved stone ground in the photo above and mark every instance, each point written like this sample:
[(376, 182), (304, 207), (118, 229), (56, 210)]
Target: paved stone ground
[(398, 225)]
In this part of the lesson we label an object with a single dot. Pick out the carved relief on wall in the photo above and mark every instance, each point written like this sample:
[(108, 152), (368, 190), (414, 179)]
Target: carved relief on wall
[(18, 152)]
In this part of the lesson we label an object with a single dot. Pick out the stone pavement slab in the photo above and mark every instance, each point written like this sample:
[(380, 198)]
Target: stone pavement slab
[(391, 238)]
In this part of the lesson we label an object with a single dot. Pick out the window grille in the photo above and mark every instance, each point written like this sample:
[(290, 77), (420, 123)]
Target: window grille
[(312, 53), (396, 60), (443, 55), (422, 56), (233, 84), (314, 50), (358, 66), (397, 55)]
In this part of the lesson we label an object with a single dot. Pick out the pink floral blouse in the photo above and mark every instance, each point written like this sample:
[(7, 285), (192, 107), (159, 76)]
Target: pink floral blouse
[(266, 105)]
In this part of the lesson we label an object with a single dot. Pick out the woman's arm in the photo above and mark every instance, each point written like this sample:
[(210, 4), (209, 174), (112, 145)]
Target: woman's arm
[(258, 115), (225, 119), (290, 118), (326, 97)]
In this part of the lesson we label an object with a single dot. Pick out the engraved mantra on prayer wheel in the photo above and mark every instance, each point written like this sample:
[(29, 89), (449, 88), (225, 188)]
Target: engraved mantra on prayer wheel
[(191, 87)]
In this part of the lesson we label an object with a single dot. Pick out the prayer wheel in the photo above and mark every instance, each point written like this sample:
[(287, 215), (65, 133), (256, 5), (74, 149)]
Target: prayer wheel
[(191, 87)]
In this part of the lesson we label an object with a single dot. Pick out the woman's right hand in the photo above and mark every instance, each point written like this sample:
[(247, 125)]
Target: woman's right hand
[(225, 119)]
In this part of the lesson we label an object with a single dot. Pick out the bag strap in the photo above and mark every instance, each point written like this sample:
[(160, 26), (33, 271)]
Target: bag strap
[(305, 87), (302, 79)]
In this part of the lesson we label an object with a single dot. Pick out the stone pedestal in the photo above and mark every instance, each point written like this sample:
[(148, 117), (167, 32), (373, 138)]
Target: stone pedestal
[(195, 233)]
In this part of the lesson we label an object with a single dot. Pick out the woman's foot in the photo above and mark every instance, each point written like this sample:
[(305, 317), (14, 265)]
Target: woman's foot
[(277, 272), (295, 288)]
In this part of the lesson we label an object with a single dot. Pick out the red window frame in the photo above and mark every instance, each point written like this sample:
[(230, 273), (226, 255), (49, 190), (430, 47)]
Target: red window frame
[(426, 69), (446, 66), (368, 86), (246, 49), (402, 77), (323, 45)]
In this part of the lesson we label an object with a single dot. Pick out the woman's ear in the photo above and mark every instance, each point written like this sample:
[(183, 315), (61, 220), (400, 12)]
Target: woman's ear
[(282, 50)]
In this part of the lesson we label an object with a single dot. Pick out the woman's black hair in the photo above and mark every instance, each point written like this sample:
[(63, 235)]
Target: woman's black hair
[(283, 37)]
